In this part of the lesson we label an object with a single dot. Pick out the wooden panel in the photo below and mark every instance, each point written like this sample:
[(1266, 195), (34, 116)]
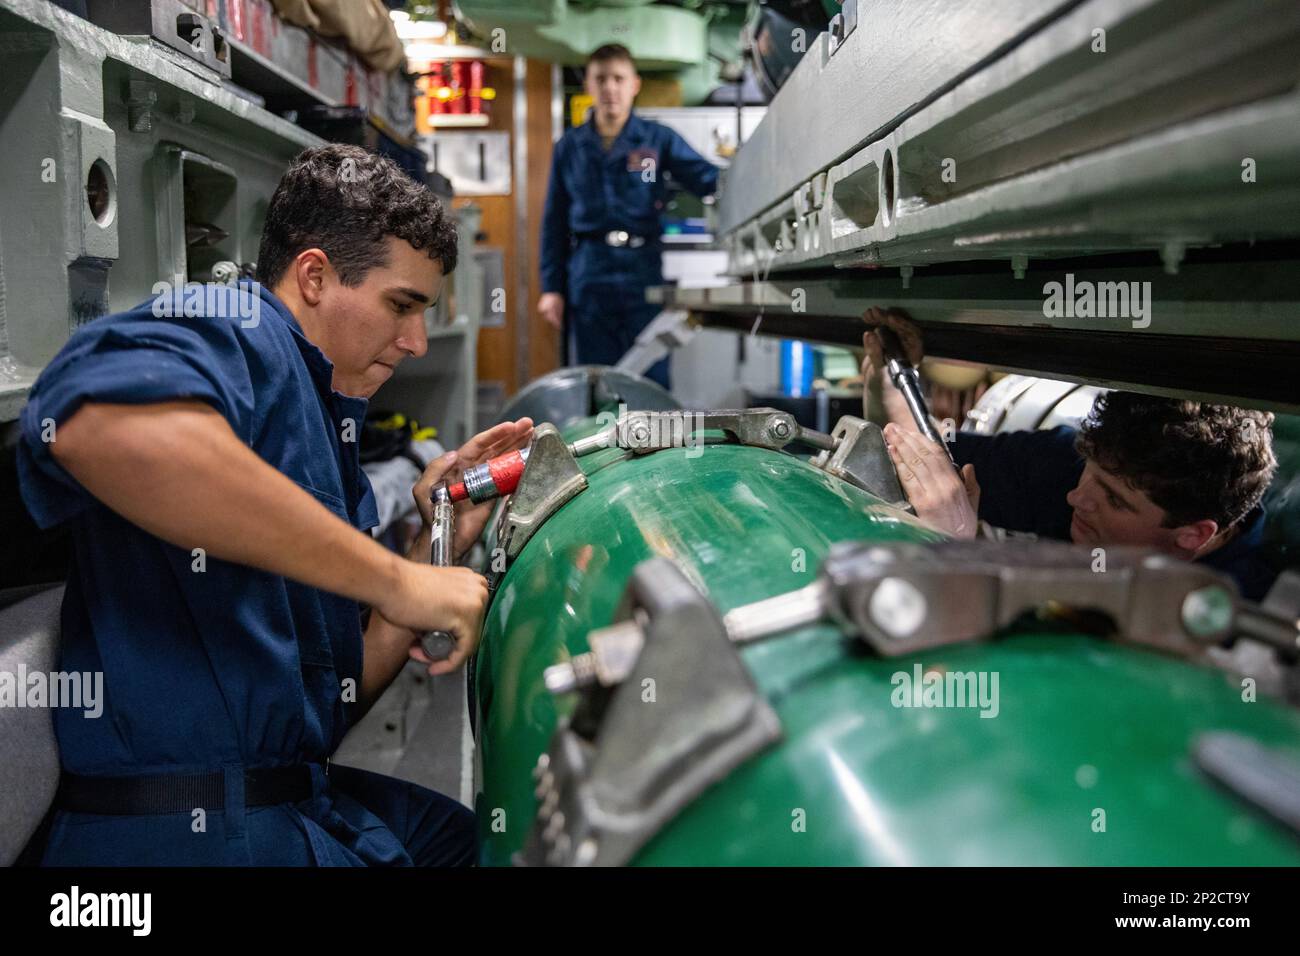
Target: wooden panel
[(496, 360), (544, 351), (498, 356)]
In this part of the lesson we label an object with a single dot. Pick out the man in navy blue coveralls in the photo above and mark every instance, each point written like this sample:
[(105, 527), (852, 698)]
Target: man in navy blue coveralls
[(1185, 478), (600, 245), (203, 448)]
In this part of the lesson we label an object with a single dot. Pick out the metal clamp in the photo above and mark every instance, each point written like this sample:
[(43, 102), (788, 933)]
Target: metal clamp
[(643, 432), (909, 597), (551, 477), (854, 452), (859, 456), (842, 24), (622, 766), (905, 598)]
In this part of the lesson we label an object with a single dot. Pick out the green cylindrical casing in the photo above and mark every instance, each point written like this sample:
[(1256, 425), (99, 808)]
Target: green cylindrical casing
[(1082, 756)]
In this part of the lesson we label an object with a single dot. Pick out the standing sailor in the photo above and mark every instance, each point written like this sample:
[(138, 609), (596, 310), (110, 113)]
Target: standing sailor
[(600, 245)]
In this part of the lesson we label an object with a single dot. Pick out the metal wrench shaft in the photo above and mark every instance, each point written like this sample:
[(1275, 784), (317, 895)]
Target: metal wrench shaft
[(903, 374), (438, 645)]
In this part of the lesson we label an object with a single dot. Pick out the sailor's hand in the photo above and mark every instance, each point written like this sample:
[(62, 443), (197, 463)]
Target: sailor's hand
[(442, 468), (873, 362), (551, 308), (941, 499), (470, 518), (428, 598)]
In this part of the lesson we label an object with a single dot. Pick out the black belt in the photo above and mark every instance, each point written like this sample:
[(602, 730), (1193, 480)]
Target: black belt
[(180, 793)]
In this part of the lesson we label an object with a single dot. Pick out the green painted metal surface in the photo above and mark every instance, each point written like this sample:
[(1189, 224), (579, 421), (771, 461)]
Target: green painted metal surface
[(1082, 725), (659, 37)]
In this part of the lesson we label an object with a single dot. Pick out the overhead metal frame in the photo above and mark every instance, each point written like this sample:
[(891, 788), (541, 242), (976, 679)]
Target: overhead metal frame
[(1012, 129), (952, 160), (1220, 329)]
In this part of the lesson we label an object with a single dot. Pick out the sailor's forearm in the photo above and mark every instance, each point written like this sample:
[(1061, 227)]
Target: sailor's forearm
[(177, 470)]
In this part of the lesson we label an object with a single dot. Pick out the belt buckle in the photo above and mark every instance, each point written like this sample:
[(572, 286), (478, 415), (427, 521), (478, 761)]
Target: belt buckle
[(616, 237)]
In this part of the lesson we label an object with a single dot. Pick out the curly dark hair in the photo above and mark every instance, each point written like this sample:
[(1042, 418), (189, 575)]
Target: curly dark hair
[(1193, 459), (346, 200)]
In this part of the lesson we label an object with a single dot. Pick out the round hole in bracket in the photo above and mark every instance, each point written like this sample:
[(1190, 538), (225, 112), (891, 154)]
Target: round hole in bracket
[(887, 186), (100, 192)]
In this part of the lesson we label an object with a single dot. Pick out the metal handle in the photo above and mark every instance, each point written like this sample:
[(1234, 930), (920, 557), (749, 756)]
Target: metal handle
[(905, 379), (438, 645)]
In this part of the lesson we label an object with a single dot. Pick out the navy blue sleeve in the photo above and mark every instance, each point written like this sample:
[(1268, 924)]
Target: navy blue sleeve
[(1024, 478), (368, 507), (690, 168), (554, 255), (129, 359)]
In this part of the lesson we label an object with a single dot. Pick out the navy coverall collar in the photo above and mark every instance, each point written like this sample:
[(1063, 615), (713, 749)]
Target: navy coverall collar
[(589, 136), (1246, 542), (321, 368), (318, 363)]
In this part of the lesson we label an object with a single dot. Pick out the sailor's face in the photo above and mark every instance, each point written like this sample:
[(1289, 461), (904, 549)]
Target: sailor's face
[(378, 324), (612, 85), (1108, 510)]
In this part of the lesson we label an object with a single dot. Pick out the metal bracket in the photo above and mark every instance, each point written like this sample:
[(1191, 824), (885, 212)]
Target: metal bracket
[(171, 22), (905, 598), (1273, 633), (643, 432), (861, 459), (551, 477), (910, 597), (843, 24), (1283, 598), (669, 330), (632, 757)]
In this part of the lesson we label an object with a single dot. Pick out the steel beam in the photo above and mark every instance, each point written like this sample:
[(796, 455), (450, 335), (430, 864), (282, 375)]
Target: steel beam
[(1102, 125), (109, 145), (1221, 329)]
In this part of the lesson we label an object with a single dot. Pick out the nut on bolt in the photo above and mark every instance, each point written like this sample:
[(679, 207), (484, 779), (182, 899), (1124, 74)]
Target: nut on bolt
[(897, 607), (1207, 611), (781, 428)]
